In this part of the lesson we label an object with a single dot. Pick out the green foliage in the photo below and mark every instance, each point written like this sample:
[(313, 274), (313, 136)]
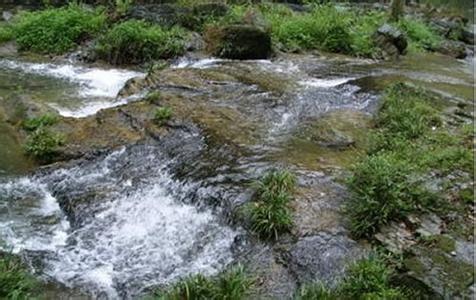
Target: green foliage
[(233, 284), (43, 144), (420, 35), (136, 41), (122, 6), (15, 281), (162, 115), (367, 279), (383, 190), (57, 30), (410, 139), (33, 124), (270, 215), (6, 33)]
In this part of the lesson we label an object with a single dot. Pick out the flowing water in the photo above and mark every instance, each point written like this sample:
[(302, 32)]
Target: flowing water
[(121, 223)]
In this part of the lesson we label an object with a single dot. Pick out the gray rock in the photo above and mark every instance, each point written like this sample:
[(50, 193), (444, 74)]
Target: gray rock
[(323, 257), (452, 48), (391, 41)]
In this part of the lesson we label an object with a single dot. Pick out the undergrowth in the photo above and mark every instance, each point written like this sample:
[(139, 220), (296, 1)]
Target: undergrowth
[(16, 283)]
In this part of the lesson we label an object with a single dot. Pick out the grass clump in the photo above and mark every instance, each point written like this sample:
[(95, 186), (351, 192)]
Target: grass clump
[(136, 41), (15, 281), (57, 30), (43, 144), (233, 284), (368, 278), (410, 141), (162, 115), (6, 33), (270, 215), (33, 124)]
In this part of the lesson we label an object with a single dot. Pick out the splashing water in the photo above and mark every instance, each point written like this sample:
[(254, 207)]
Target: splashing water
[(133, 230), (97, 88)]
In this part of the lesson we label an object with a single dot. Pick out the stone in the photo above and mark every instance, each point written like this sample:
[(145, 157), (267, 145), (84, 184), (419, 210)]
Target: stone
[(395, 237), (391, 41), (323, 257), (165, 14), (238, 42), (452, 48)]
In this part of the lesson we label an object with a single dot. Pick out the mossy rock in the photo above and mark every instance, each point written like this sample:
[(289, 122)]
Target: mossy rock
[(238, 42)]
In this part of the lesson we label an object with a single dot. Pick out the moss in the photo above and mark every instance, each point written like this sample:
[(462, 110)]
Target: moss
[(445, 243)]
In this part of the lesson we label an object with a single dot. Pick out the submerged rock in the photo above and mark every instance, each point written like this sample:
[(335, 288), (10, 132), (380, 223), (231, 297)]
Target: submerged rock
[(391, 41), (238, 42)]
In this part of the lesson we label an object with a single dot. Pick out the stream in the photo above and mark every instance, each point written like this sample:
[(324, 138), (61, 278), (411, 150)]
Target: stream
[(137, 224)]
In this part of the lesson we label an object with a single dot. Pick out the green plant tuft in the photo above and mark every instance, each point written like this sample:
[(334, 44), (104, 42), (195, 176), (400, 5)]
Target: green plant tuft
[(270, 215), (233, 284), (33, 124), (162, 115), (15, 281), (136, 41), (43, 144), (57, 30)]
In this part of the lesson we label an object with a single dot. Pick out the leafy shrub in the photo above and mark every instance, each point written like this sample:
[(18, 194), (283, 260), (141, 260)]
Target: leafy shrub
[(420, 35), (233, 284), (15, 281), (57, 30), (43, 144), (137, 41), (270, 215), (162, 115), (382, 190), (33, 124)]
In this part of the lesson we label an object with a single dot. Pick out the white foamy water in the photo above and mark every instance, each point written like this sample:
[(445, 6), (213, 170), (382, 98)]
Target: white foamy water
[(99, 87), (324, 83), (135, 232)]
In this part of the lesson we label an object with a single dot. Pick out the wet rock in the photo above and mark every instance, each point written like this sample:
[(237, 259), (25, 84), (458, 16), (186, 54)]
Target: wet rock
[(467, 36), (202, 12), (15, 109), (238, 42), (195, 42), (452, 48), (391, 41), (323, 257)]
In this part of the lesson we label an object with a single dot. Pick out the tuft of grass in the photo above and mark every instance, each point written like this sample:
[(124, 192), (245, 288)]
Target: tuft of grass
[(369, 278), (162, 115), (136, 41), (122, 6), (43, 144), (410, 141), (57, 30), (233, 284), (15, 281), (33, 124), (270, 215)]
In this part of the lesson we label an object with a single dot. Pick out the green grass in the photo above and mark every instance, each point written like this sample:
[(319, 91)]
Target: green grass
[(409, 141), (16, 283), (6, 33), (233, 284), (162, 115), (33, 124), (137, 41), (270, 215), (57, 30), (368, 278), (43, 144), (420, 35)]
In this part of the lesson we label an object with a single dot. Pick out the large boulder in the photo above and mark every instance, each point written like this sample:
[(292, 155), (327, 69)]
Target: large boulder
[(238, 42), (391, 41)]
